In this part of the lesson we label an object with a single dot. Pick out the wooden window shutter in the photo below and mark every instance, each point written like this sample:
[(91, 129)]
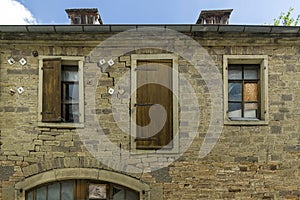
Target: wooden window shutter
[(51, 108), (148, 94)]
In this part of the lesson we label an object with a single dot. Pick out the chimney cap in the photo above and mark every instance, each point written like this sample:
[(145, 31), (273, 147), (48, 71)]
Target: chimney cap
[(213, 13), (224, 11), (85, 10)]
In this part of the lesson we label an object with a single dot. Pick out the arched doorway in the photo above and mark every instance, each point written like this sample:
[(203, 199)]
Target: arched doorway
[(78, 183)]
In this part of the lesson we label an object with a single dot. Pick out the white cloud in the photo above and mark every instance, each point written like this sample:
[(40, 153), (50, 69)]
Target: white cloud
[(14, 13)]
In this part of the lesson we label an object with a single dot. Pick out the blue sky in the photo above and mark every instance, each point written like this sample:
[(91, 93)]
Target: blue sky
[(154, 11)]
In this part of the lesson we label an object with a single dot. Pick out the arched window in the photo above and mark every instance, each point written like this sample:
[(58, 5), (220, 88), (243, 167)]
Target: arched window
[(81, 190)]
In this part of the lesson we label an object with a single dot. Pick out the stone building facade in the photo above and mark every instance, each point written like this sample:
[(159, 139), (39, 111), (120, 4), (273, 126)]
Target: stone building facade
[(248, 140)]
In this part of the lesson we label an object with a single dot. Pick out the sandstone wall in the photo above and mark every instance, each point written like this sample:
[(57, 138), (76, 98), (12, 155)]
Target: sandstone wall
[(248, 162)]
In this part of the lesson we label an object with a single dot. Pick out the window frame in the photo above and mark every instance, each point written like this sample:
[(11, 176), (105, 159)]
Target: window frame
[(243, 82), (66, 60), (134, 60), (262, 61)]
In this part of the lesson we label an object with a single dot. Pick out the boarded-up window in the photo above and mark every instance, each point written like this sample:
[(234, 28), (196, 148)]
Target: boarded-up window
[(154, 83), (243, 92)]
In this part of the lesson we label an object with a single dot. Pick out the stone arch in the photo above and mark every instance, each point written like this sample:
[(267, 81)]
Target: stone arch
[(80, 173)]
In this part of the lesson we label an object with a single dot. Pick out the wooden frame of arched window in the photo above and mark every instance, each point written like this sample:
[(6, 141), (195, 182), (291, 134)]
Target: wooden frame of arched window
[(81, 189), (93, 175)]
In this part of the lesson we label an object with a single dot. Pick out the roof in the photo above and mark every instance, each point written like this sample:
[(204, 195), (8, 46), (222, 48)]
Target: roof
[(120, 28)]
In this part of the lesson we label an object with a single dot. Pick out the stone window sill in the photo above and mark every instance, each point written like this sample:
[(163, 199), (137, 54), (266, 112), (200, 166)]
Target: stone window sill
[(61, 125), (246, 122)]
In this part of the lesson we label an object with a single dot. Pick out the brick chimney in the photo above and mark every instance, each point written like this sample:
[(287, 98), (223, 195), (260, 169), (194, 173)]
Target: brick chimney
[(214, 16), (84, 16)]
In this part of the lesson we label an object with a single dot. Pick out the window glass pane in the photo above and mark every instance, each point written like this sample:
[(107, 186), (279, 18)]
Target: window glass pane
[(250, 92), (251, 73), (251, 106), (41, 193), (131, 195), (72, 112), (30, 196), (250, 110), (54, 191), (235, 91), (70, 76), (67, 190), (72, 92), (234, 110), (118, 193), (250, 113), (235, 74)]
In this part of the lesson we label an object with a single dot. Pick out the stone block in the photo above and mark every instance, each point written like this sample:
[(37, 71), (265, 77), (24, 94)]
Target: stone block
[(71, 162), (22, 109), (162, 175), (46, 137), (15, 158), (108, 82), (30, 170), (9, 109), (292, 148), (287, 97), (156, 193), (8, 193), (276, 129), (246, 159), (63, 174), (278, 116), (22, 71), (6, 172)]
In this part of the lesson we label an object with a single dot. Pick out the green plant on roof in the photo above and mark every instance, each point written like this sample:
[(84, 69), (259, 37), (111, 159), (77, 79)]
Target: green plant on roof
[(285, 19)]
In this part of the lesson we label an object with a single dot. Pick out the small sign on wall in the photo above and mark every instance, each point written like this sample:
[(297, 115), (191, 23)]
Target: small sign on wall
[(23, 61), (111, 62), (111, 91), (11, 61), (20, 90), (102, 62), (97, 191)]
